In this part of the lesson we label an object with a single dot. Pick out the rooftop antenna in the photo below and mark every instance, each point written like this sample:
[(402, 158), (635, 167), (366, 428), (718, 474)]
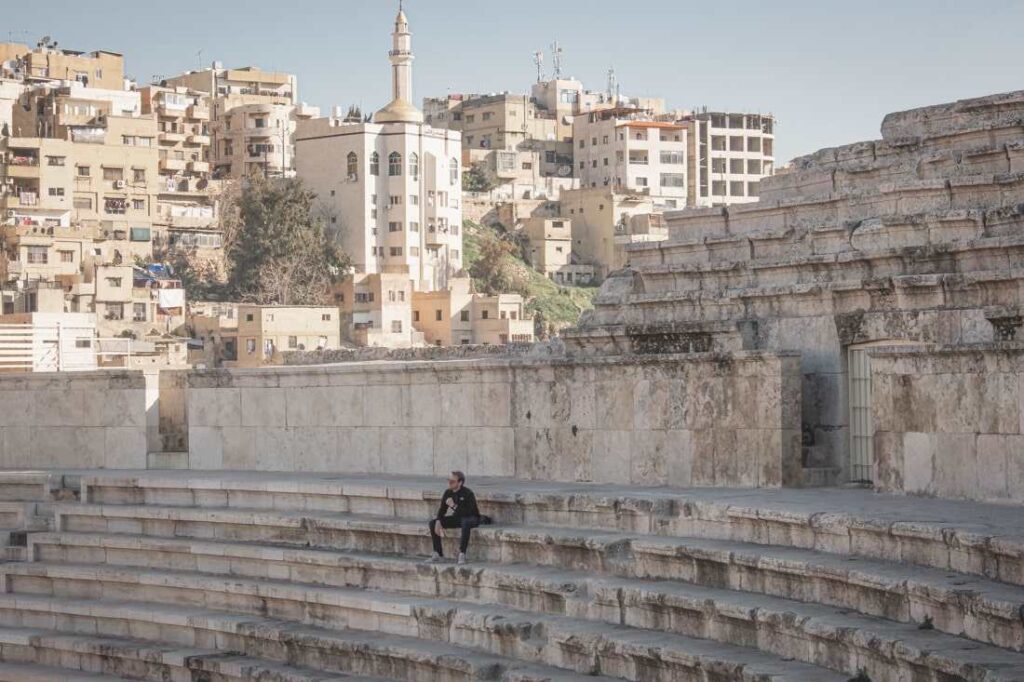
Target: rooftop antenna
[(613, 85), (538, 59), (199, 59), (556, 59)]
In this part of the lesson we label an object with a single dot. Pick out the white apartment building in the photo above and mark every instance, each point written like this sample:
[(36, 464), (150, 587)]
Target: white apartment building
[(626, 150), (392, 188), (730, 154)]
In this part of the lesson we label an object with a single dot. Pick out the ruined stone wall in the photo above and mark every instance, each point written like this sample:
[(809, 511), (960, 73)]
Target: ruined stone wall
[(949, 421), (705, 420), (73, 420)]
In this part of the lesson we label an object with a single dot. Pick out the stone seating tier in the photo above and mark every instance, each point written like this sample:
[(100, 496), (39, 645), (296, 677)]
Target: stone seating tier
[(296, 576)]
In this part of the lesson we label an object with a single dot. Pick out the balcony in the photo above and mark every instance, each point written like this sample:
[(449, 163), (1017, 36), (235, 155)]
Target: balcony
[(198, 112), (199, 166), (171, 137), (166, 107), (172, 165), (203, 140), (24, 170)]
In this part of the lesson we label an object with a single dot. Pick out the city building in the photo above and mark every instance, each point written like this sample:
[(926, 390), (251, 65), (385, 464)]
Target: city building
[(46, 63), (457, 316), (730, 153), (253, 118), (550, 251), (392, 187), (213, 333), (627, 150), (376, 310), (601, 218), (265, 333)]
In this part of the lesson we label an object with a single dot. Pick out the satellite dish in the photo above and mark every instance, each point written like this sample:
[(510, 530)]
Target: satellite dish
[(564, 171)]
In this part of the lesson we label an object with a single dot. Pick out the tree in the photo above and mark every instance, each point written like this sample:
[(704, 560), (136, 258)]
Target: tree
[(478, 178), (281, 252), (494, 271)]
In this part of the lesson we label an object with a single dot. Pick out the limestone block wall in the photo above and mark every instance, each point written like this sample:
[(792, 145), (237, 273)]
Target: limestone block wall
[(949, 421), (73, 420), (704, 420)]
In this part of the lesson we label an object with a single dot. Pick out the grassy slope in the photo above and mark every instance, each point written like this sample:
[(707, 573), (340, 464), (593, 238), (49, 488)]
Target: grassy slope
[(560, 305)]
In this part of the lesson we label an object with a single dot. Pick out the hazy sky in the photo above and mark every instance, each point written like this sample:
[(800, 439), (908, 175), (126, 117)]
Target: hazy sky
[(828, 70)]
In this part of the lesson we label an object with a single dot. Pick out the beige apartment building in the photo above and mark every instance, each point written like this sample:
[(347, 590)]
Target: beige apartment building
[(551, 251), (627, 150), (457, 316), (253, 117), (213, 333), (730, 154), (128, 299), (602, 218), (376, 309), (265, 333), (186, 214), (99, 69)]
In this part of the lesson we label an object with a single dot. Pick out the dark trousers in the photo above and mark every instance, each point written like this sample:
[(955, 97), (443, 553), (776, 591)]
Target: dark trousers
[(467, 524)]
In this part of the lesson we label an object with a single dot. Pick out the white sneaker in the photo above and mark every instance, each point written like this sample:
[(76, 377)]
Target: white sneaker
[(462, 559), (435, 558)]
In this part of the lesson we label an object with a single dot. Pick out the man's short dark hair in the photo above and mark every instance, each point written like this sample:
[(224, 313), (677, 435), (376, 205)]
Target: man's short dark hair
[(460, 476)]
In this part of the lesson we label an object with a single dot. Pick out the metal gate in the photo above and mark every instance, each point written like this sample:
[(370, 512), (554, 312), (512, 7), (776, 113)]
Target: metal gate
[(862, 428)]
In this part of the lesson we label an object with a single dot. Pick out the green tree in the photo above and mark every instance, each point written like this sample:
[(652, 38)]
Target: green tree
[(494, 271), (282, 253)]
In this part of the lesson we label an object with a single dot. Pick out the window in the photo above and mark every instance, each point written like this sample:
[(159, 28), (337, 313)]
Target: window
[(414, 166), (736, 189), (115, 311), (56, 191), (138, 312), (396, 251), (84, 171), (395, 200), (114, 282), (736, 166), (673, 180), (326, 318), (486, 314), (641, 182), (487, 115), (414, 227), (83, 343), (38, 255), (672, 158), (415, 316), (55, 160), (439, 315), (396, 326), (454, 163), (67, 256), (139, 204), (414, 200), (394, 227), (395, 164), (250, 344), (375, 164), (248, 318), (464, 316), (138, 175), (293, 342), (113, 174)]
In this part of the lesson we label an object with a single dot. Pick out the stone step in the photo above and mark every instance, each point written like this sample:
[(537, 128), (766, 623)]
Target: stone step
[(376, 654), (97, 657), (28, 486), (30, 672), (965, 537), (960, 605), (598, 615)]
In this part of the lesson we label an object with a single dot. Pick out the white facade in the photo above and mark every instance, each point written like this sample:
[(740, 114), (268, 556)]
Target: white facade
[(392, 188), (731, 153), (626, 151)]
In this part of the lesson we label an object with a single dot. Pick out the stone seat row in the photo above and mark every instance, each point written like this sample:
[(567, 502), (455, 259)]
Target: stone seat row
[(35, 655), (937, 231), (995, 192), (981, 609), (575, 643), (747, 586), (984, 540), (294, 644)]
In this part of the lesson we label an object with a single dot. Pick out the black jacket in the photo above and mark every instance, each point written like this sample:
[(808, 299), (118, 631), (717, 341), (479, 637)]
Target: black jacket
[(463, 504)]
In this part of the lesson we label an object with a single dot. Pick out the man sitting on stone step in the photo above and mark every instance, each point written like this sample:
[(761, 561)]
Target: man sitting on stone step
[(458, 510)]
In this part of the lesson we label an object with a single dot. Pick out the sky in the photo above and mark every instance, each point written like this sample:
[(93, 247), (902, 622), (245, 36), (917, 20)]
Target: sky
[(829, 71)]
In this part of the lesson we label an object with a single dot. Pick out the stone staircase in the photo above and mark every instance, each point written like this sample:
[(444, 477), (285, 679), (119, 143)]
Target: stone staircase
[(232, 576)]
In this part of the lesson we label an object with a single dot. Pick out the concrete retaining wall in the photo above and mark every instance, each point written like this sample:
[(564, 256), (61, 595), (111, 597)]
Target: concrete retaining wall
[(74, 420), (679, 420), (948, 422)]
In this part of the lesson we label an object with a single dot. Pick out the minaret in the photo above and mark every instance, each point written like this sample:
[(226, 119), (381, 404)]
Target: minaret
[(401, 109)]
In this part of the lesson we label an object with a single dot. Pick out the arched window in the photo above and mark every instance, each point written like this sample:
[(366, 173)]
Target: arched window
[(414, 165), (353, 166), (455, 171), (395, 164), (375, 164)]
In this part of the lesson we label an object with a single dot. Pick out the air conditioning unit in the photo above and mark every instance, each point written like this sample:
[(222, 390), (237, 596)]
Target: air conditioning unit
[(119, 184), (11, 213)]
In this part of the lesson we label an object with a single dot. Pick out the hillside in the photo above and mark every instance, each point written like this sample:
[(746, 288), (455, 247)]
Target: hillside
[(493, 257)]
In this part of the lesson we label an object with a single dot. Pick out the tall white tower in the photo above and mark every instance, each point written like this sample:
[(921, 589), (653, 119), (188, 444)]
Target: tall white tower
[(401, 109)]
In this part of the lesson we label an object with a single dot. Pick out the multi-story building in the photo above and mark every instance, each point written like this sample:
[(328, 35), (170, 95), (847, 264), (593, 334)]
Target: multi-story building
[(376, 310), (602, 218), (265, 333), (730, 153), (550, 251), (46, 63), (213, 332), (392, 187), (627, 150), (186, 214), (457, 316), (253, 117)]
